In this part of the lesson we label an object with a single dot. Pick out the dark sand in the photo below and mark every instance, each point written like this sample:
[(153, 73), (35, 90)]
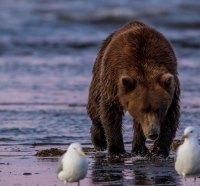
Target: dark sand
[(19, 166)]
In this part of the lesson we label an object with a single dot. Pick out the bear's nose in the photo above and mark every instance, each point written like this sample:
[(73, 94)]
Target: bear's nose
[(154, 134)]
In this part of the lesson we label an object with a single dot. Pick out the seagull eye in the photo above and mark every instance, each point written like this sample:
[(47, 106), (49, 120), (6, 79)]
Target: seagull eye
[(191, 131), (74, 148)]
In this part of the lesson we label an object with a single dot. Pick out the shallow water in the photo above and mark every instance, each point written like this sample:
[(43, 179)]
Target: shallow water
[(19, 166), (47, 50)]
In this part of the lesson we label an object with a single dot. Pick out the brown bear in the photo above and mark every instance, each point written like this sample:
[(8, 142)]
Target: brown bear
[(135, 71)]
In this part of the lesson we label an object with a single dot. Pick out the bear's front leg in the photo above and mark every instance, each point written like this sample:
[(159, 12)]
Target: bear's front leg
[(162, 144), (98, 136), (138, 144), (111, 118), (168, 131)]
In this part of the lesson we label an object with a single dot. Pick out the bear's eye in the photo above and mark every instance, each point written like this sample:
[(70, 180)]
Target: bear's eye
[(167, 81), (127, 84)]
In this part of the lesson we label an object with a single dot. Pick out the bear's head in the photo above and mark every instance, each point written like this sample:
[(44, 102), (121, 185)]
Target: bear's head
[(147, 100)]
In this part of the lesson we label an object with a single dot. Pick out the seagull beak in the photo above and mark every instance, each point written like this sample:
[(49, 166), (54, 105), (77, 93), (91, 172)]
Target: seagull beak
[(80, 152), (184, 137)]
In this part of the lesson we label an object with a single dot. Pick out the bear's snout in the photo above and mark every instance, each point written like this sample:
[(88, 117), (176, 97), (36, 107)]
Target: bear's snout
[(151, 126), (154, 133)]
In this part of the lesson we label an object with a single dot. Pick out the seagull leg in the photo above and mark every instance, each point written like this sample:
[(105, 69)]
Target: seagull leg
[(195, 180), (184, 181), (65, 183), (78, 183)]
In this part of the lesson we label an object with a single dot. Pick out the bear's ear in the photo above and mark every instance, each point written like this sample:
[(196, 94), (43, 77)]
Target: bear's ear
[(127, 84), (167, 81)]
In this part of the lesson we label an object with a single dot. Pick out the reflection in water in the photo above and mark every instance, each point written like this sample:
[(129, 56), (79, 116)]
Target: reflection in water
[(133, 172), (154, 172), (104, 171), (140, 178)]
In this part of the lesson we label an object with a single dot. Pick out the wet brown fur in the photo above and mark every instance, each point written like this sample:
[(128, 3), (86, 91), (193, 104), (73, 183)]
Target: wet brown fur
[(143, 54)]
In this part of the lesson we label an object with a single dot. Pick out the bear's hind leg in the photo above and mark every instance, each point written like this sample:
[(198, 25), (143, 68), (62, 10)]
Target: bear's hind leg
[(138, 145)]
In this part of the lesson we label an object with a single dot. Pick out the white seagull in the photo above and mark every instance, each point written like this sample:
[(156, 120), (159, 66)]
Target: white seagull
[(188, 154), (73, 164)]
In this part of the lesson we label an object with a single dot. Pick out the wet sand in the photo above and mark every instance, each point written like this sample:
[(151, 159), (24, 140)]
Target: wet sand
[(19, 166)]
